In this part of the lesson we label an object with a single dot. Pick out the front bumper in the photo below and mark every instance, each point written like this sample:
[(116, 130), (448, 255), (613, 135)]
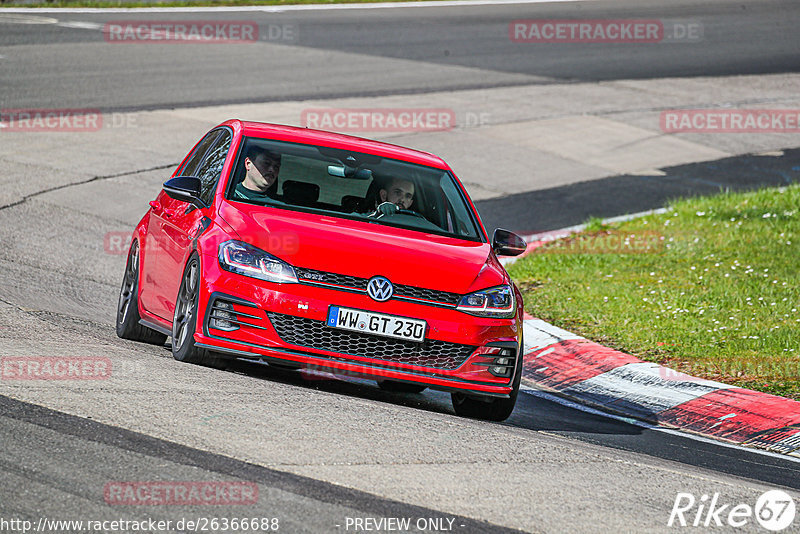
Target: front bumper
[(285, 323)]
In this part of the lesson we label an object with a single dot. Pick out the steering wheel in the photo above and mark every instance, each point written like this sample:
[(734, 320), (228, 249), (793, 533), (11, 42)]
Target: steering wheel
[(394, 211), (411, 212)]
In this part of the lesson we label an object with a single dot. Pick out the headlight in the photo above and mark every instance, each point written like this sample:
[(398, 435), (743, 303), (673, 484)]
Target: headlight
[(495, 302), (241, 258)]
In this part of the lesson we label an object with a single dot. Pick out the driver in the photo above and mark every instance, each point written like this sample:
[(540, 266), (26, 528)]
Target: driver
[(398, 194), (261, 180)]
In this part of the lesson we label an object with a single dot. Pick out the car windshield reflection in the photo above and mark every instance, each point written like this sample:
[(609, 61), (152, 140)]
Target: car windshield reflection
[(351, 185)]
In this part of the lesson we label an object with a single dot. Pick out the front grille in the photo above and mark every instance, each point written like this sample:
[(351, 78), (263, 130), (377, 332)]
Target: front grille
[(427, 294), (311, 275), (316, 335)]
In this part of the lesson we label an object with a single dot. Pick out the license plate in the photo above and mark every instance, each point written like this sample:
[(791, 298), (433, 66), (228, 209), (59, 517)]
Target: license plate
[(378, 324)]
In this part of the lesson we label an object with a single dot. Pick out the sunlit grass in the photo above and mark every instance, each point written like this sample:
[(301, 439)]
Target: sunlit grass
[(709, 288)]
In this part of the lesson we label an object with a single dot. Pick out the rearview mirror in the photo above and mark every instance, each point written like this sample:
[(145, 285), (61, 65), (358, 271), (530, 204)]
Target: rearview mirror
[(186, 189), (344, 171), (336, 170), (505, 243)]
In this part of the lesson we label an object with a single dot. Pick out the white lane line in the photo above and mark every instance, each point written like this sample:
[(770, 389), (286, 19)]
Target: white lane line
[(33, 20), (592, 411), (281, 9), (21, 19), (81, 25)]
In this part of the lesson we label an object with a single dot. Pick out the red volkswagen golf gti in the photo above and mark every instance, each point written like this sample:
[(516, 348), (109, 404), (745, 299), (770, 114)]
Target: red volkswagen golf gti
[(308, 249)]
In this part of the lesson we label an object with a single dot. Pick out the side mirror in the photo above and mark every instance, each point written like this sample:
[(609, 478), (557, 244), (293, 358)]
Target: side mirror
[(186, 189), (505, 243)]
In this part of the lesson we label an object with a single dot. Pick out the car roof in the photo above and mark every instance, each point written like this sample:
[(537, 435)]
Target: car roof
[(334, 140)]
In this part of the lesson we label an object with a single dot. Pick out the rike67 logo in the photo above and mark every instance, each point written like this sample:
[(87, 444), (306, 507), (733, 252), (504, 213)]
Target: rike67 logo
[(774, 510)]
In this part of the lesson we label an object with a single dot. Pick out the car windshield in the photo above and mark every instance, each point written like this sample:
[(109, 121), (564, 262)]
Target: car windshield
[(351, 185)]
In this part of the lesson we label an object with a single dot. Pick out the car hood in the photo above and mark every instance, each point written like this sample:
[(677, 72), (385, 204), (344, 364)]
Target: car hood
[(364, 249)]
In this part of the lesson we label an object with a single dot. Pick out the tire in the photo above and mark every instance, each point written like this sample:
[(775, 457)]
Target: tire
[(128, 326), (184, 321), (400, 387), (488, 408)]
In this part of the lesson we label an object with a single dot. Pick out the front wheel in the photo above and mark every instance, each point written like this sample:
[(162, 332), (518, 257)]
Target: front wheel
[(488, 408), (184, 321)]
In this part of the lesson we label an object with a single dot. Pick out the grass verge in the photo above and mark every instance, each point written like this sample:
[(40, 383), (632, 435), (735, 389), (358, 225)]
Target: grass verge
[(710, 288)]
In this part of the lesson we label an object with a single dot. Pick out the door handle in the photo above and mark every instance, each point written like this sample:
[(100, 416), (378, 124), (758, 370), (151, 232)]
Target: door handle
[(158, 209)]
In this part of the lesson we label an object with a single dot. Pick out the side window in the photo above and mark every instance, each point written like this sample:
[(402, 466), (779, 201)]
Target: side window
[(197, 156), (210, 169)]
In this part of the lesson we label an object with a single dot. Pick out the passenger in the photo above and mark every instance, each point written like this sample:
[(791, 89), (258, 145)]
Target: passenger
[(260, 184), (397, 195)]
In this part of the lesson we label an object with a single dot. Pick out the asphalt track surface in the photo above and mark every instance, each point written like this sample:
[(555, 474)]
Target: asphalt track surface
[(444, 49), (72, 449), (324, 450)]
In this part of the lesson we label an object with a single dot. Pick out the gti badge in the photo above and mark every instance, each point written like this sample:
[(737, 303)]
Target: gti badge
[(379, 288)]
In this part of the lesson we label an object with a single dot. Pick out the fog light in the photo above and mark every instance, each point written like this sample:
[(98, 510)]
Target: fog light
[(219, 316), (503, 365)]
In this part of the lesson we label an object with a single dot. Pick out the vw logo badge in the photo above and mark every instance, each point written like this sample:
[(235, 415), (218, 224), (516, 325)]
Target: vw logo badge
[(379, 288)]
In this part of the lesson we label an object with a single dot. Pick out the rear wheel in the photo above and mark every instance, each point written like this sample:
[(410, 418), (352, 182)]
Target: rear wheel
[(489, 408), (400, 387), (128, 326), (184, 321)]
